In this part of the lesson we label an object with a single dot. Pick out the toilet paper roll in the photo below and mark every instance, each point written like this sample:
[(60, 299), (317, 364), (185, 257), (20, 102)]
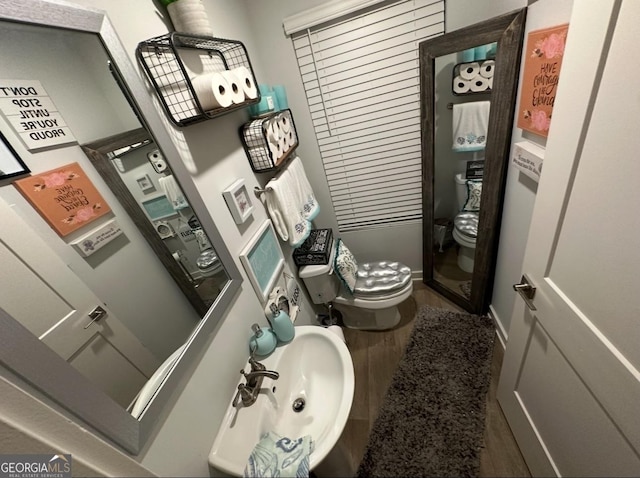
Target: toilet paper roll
[(487, 68), (460, 85), (285, 123), (282, 147), (212, 91), (490, 83), (249, 88), (237, 93), (286, 143), (479, 84), (468, 71), (276, 152), (336, 329), (273, 130)]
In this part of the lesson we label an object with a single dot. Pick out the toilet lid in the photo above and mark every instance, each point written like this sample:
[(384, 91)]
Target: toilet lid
[(381, 278), (207, 259), (467, 223)]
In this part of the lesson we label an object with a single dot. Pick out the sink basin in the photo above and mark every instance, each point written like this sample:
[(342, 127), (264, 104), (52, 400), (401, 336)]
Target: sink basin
[(316, 367)]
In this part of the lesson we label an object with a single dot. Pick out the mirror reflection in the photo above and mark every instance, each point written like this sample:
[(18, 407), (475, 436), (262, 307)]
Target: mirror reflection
[(462, 96), (122, 315)]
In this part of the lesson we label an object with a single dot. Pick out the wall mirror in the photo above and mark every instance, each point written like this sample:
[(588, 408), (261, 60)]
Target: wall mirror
[(25, 359), (136, 171), (461, 215)]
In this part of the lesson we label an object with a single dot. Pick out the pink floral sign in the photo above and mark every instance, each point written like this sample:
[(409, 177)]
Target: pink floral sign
[(65, 197), (543, 59)]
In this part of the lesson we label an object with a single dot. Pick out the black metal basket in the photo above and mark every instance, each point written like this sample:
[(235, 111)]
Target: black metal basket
[(255, 139), (162, 59)]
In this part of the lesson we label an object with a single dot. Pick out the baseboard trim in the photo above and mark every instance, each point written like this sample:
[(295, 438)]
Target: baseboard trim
[(416, 275), (500, 331)]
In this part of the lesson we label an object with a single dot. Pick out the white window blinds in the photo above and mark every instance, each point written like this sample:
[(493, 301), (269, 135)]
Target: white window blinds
[(361, 77)]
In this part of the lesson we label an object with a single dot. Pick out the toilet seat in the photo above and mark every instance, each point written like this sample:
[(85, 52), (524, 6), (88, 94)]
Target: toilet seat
[(466, 223), (208, 263), (378, 279), (375, 302)]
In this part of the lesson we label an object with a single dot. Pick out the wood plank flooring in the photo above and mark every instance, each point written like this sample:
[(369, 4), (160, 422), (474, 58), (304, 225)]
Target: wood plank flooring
[(375, 357)]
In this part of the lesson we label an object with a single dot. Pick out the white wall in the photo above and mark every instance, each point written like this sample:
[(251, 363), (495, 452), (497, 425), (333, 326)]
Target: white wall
[(520, 191)]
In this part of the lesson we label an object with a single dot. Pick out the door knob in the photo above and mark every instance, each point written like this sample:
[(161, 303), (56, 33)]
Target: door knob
[(95, 315), (526, 291)]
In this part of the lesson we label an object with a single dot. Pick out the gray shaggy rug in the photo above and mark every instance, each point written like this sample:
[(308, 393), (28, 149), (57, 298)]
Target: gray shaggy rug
[(432, 419)]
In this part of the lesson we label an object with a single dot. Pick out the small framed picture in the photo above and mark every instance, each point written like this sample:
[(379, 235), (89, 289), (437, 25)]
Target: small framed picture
[(10, 163), (238, 201), (145, 183), (263, 260)]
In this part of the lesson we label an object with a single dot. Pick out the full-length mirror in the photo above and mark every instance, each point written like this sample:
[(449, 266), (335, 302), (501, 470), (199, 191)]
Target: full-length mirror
[(468, 84), (123, 320)]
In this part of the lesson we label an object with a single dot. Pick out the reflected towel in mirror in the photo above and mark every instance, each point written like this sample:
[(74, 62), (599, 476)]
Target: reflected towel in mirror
[(470, 124)]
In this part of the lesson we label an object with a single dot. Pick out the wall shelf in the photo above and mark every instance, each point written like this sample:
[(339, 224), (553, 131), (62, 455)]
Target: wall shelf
[(269, 140), (172, 61)]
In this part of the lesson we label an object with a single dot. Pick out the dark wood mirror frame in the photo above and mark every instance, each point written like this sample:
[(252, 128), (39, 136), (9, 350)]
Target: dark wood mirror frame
[(507, 30)]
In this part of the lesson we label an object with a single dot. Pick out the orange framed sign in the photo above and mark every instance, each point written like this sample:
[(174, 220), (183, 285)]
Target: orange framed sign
[(543, 60), (65, 197)]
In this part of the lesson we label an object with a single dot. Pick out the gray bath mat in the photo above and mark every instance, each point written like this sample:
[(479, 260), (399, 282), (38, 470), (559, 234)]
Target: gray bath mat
[(432, 419)]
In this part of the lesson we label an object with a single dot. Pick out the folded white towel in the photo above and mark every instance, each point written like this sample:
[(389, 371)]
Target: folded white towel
[(470, 124), (291, 204), (173, 192), (278, 456), (304, 193)]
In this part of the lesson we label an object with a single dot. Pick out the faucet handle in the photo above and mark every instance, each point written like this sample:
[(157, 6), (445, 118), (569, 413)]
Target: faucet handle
[(243, 395)]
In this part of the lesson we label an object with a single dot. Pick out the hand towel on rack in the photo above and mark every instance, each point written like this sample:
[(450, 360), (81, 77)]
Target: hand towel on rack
[(470, 124), (291, 204), (305, 194), (173, 192)]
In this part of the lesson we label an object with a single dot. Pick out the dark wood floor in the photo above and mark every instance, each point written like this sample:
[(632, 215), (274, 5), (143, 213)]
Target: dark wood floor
[(375, 358)]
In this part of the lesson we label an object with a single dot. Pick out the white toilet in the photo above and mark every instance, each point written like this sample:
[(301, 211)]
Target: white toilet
[(208, 263), (465, 227), (380, 287)]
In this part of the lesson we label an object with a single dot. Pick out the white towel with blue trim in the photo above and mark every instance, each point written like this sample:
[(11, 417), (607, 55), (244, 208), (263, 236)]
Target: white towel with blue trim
[(291, 204), (173, 192), (470, 125), (279, 456)]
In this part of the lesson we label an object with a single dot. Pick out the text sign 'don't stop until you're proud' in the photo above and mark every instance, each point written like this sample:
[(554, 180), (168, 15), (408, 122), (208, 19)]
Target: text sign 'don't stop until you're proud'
[(31, 113)]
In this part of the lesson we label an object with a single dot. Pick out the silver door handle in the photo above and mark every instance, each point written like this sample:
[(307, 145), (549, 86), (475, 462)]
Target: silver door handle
[(95, 315), (526, 291)]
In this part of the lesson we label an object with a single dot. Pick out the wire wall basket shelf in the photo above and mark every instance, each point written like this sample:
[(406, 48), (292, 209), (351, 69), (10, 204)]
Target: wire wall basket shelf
[(173, 61), (269, 140)]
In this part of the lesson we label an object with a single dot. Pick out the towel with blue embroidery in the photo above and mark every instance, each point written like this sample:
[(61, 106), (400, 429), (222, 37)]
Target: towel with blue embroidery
[(279, 456)]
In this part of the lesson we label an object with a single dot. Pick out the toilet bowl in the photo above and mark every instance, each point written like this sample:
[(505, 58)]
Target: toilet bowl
[(380, 288), (208, 263), (465, 227)]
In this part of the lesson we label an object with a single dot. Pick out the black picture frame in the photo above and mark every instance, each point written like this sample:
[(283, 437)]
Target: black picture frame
[(11, 165)]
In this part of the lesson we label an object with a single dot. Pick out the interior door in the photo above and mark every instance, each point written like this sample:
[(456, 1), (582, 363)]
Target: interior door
[(570, 383), (44, 295)]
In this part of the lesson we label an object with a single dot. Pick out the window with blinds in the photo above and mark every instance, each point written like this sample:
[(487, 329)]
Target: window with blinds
[(361, 77)]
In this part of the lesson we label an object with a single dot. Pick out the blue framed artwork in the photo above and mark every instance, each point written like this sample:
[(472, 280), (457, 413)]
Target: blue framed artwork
[(263, 260), (158, 207)]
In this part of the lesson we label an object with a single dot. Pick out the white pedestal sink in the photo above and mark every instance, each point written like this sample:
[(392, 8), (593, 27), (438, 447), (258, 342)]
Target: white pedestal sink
[(315, 367)]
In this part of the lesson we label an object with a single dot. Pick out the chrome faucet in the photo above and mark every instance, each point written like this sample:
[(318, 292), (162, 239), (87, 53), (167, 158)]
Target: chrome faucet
[(248, 392)]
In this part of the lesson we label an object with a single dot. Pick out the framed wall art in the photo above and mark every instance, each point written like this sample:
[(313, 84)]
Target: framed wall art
[(543, 58), (263, 260), (65, 197), (158, 207), (10, 163), (238, 201)]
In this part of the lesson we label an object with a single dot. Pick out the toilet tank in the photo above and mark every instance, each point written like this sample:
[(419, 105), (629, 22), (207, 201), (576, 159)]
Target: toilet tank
[(321, 281), (461, 190)]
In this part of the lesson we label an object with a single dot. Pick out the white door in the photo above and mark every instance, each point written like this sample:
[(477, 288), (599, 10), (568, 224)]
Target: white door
[(570, 385), (44, 295)]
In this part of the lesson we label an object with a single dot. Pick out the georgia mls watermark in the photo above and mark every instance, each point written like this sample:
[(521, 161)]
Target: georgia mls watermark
[(35, 466)]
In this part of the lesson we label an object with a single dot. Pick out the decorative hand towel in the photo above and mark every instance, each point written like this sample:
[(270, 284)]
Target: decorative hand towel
[(470, 123), (286, 210), (278, 456), (304, 192), (346, 266), (173, 192)]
